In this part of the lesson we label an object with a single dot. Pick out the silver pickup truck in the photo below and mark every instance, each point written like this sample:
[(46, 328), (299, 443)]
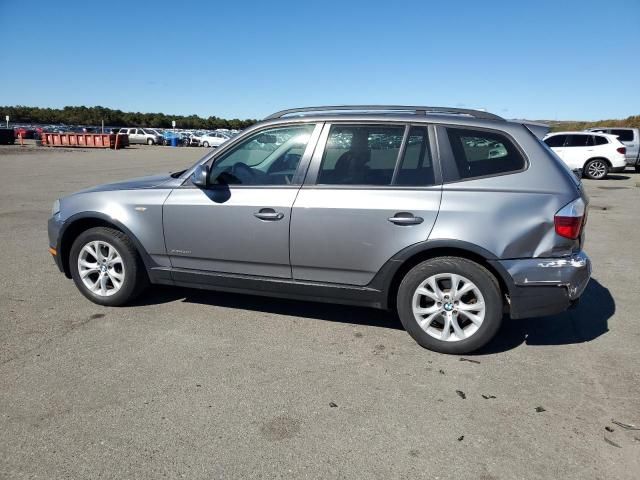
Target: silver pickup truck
[(630, 137)]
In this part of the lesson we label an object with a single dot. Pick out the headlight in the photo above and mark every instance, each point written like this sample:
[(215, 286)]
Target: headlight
[(56, 207)]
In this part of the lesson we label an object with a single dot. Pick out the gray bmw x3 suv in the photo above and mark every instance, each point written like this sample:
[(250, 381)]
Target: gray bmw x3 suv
[(451, 217)]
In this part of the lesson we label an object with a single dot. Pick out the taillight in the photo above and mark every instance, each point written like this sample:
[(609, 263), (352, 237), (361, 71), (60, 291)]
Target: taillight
[(570, 219), (621, 150)]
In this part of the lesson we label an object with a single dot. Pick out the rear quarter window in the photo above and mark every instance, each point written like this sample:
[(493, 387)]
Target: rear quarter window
[(624, 135), (480, 153)]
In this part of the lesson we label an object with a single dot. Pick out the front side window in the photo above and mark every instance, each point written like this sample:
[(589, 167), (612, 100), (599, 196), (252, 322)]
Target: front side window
[(268, 157), (360, 155), (479, 153), (555, 141)]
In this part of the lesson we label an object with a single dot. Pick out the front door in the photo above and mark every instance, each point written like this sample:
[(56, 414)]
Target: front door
[(371, 191), (240, 224)]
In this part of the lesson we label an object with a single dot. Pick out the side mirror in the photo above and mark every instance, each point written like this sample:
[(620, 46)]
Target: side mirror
[(200, 176)]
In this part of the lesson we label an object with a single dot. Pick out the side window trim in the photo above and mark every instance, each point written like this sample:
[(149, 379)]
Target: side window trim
[(239, 139), (311, 178), (403, 148)]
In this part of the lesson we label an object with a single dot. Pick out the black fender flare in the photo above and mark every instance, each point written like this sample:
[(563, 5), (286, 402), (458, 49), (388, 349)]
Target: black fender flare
[(63, 247), (384, 279)]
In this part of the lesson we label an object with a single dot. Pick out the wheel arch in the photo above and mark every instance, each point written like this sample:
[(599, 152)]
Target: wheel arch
[(392, 273), (81, 222), (605, 159)]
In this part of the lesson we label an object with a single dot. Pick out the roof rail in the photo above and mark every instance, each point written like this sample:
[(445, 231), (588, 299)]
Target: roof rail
[(387, 108)]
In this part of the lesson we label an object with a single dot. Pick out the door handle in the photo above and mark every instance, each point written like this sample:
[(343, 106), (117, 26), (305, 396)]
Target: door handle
[(269, 214), (405, 218)]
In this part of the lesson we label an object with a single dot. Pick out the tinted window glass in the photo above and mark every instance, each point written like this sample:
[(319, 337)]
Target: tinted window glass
[(268, 157), (578, 141), (478, 153), (360, 155), (598, 140), (556, 140), (623, 135), (416, 168)]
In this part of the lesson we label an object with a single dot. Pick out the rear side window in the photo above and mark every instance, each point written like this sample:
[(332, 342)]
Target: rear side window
[(598, 140), (416, 167), (555, 141), (624, 135), (479, 153), (579, 141), (360, 155)]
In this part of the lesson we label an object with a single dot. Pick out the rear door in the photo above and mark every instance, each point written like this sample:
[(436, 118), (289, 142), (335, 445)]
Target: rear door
[(371, 191)]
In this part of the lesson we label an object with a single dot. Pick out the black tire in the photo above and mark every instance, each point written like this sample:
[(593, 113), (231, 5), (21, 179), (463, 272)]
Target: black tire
[(637, 168), (150, 141), (480, 276), (135, 279), (602, 167), (205, 144)]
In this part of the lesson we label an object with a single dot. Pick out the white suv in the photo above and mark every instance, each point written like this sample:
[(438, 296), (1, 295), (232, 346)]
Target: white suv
[(213, 139), (596, 154)]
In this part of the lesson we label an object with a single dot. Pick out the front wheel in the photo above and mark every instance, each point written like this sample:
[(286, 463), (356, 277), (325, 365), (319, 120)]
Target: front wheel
[(596, 169), (106, 268), (450, 305), (205, 144)]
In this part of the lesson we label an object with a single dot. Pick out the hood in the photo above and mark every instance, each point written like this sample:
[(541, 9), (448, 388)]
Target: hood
[(132, 184)]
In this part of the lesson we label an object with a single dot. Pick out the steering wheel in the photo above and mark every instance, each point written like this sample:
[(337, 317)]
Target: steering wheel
[(243, 172)]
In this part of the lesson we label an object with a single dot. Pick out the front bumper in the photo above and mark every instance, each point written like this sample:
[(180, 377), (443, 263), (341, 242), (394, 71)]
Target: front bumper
[(546, 286), (54, 227)]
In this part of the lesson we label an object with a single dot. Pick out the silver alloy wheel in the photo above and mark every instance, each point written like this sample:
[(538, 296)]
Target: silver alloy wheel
[(449, 307), (101, 268), (597, 169)]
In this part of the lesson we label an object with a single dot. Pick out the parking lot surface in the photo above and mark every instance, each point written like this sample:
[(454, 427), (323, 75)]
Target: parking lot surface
[(197, 384)]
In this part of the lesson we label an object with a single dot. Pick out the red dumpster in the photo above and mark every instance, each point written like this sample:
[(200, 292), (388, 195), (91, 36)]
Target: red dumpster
[(84, 140)]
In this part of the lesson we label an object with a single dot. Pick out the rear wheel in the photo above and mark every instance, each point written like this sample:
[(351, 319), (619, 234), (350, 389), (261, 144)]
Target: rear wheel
[(150, 142), (596, 169), (205, 144), (106, 268), (450, 305)]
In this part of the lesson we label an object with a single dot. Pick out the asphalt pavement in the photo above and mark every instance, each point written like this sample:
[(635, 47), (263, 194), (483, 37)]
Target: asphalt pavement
[(198, 384)]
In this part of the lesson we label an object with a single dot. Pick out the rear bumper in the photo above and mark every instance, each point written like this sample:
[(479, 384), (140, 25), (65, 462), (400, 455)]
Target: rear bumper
[(546, 286)]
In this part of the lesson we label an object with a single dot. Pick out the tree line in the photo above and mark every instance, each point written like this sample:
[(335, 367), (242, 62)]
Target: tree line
[(116, 118), (630, 122)]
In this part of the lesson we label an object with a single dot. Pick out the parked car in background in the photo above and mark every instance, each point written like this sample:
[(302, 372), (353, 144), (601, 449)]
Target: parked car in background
[(24, 132), (169, 135), (286, 210), (596, 154), (7, 136), (141, 136), (214, 139), (630, 138)]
